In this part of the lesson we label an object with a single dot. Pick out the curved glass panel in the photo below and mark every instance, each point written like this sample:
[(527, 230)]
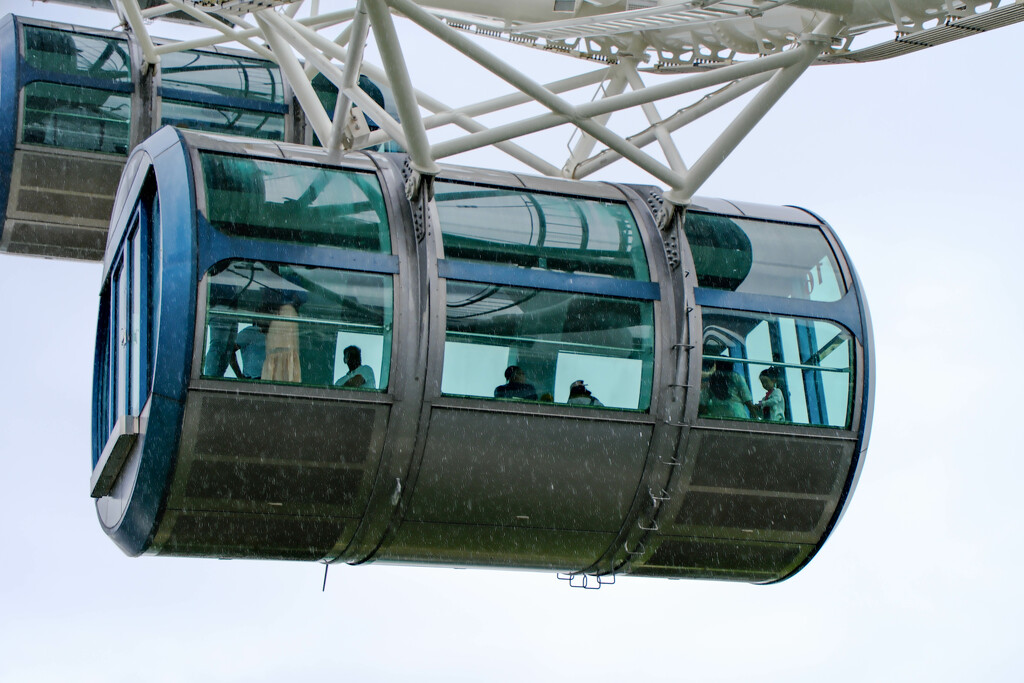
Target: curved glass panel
[(268, 322), (274, 200), (74, 117), (532, 344), (74, 53), (758, 257), (542, 231), (758, 366), (220, 119), (209, 73)]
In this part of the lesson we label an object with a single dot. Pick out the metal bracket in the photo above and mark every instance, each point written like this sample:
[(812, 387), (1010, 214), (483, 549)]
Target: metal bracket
[(419, 188), (584, 580)]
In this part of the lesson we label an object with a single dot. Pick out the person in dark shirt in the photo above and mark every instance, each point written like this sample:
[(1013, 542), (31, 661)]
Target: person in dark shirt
[(516, 385)]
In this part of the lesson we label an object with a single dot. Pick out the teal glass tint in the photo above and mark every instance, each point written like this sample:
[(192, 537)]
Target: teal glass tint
[(222, 75), (760, 257), (758, 366), (76, 54), (288, 324), (274, 200), (541, 231), (73, 117), (554, 338), (222, 119)]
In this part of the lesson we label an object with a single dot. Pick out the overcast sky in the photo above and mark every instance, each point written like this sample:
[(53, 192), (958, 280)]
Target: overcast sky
[(916, 163)]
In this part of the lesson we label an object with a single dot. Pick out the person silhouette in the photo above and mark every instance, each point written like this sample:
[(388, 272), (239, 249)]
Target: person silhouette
[(516, 385)]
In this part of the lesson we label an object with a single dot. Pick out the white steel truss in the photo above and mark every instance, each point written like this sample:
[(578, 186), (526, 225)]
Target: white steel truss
[(640, 56)]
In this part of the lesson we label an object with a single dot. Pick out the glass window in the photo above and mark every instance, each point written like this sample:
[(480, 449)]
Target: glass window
[(73, 117), (291, 202), (209, 73), (758, 366), (75, 53), (533, 230), (531, 344), (298, 325), (221, 119), (758, 257)]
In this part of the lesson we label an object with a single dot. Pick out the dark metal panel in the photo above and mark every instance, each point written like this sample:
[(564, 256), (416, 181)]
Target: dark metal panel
[(510, 469), (768, 462), (490, 546), (743, 511), (716, 559), (276, 454), (199, 533)]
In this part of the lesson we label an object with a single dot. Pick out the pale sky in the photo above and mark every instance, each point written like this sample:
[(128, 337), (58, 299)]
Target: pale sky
[(917, 164)]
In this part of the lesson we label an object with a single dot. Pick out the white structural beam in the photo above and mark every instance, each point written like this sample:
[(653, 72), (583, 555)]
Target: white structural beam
[(543, 96), (292, 70), (417, 143), (288, 34)]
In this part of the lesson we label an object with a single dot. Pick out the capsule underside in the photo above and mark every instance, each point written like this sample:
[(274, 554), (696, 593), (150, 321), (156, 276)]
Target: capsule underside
[(659, 475)]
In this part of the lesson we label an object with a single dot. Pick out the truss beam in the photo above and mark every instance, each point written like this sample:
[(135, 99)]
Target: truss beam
[(597, 141)]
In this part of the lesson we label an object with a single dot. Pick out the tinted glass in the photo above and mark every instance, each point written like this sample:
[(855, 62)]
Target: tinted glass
[(209, 73), (777, 369), (279, 323), (220, 119), (555, 339), (758, 257), (77, 54), (295, 203), (72, 117), (533, 230)]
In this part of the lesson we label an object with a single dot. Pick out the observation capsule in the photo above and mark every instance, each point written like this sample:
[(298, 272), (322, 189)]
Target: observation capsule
[(74, 101), (295, 362)]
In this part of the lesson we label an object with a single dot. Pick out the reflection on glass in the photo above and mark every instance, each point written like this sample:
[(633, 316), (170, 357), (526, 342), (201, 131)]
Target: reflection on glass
[(534, 230), (292, 202), (758, 257), (72, 117), (762, 367), (297, 324), (78, 54), (502, 338), (212, 74), (222, 119), (327, 92)]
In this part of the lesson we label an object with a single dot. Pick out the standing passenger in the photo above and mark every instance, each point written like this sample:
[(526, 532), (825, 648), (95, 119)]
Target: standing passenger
[(724, 393), (282, 359), (252, 342), (773, 405)]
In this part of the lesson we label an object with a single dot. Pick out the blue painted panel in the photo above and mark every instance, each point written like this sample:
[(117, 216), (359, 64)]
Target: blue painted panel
[(215, 246), (542, 279), (30, 74), (846, 311), (8, 108), (217, 101)]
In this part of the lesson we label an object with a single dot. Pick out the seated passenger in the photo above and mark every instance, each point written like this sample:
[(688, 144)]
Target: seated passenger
[(579, 395), (516, 385), (773, 406), (359, 376), (282, 347), (724, 393)]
